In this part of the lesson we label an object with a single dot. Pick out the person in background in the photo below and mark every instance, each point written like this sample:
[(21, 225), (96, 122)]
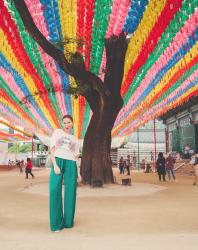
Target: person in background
[(19, 166), (161, 166), (170, 161), (28, 168), (187, 151), (194, 162), (147, 166), (128, 164), (146, 161), (121, 165), (152, 157), (22, 164), (134, 159), (142, 164)]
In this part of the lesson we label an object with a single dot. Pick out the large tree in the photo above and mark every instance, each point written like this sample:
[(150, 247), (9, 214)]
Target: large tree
[(103, 97)]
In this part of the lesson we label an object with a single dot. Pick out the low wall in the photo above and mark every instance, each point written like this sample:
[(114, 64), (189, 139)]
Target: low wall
[(6, 167)]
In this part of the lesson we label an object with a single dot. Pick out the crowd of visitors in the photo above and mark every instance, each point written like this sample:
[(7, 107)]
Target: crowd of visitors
[(124, 165), (164, 166)]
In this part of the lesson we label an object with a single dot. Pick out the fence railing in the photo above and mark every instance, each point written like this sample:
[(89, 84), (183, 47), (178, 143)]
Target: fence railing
[(145, 156)]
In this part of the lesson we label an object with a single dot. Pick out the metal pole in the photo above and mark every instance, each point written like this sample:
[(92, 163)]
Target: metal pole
[(167, 140), (138, 149), (155, 150), (32, 149)]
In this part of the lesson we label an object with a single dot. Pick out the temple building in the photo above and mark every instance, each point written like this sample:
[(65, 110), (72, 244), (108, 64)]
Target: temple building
[(182, 126)]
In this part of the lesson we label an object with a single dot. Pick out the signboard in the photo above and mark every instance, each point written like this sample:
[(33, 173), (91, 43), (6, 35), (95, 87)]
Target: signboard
[(172, 127), (184, 122)]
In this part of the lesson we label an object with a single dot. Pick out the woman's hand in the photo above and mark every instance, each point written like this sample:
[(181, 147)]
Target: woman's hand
[(57, 169), (79, 179)]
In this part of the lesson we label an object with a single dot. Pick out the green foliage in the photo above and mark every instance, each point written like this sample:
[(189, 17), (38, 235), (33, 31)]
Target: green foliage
[(26, 148), (14, 148), (17, 148)]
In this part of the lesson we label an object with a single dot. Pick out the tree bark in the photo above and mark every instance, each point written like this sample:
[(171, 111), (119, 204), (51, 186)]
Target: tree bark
[(96, 165)]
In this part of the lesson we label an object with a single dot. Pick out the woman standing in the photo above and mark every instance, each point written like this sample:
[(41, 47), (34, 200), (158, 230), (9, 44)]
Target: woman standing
[(64, 151), (161, 166)]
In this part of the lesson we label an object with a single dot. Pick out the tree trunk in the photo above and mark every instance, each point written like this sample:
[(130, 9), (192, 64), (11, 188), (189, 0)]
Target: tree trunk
[(96, 165)]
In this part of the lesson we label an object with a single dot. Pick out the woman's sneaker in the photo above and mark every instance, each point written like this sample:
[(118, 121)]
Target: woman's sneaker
[(56, 231)]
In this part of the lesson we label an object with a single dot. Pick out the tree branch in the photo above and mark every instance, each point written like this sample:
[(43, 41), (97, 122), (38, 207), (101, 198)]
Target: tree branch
[(115, 53), (75, 69), (49, 48)]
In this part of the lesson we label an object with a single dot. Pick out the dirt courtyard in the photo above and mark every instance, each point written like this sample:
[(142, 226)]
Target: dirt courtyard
[(147, 215)]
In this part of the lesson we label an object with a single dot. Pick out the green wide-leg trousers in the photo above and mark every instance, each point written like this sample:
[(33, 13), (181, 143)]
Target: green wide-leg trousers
[(58, 219)]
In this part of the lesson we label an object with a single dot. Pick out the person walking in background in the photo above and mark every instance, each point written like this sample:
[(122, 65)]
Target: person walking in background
[(161, 166), (121, 165), (28, 169), (194, 162), (64, 153), (170, 161), (19, 166), (22, 164)]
